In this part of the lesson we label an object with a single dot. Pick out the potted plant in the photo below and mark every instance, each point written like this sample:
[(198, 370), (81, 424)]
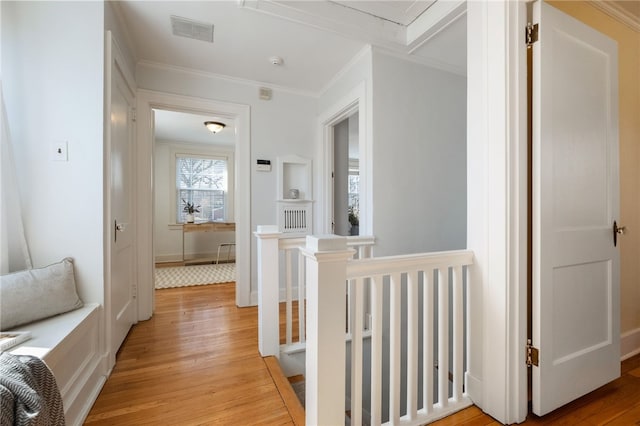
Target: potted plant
[(190, 209), (354, 221)]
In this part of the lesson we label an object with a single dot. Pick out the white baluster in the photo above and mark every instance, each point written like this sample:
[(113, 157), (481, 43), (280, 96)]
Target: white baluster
[(288, 297), (412, 344), (376, 350), (427, 341), (458, 334), (357, 302), (443, 336), (301, 297), (395, 358)]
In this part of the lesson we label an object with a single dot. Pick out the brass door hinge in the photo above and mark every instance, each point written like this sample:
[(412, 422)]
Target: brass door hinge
[(531, 34), (533, 354)]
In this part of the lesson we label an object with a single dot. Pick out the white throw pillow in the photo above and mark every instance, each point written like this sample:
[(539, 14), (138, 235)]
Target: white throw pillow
[(35, 294)]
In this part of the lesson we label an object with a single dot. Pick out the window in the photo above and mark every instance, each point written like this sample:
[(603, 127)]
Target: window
[(202, 181)]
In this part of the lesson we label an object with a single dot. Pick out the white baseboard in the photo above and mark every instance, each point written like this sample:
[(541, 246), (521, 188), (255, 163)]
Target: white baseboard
[(178, 257), (473, 388), (629, 344), (90, 389)]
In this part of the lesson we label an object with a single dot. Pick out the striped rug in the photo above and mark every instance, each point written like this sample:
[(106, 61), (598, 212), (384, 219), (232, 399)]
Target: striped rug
[(183, 276)]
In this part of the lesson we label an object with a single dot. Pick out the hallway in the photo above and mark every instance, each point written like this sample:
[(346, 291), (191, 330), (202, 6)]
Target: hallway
[(195, 362)]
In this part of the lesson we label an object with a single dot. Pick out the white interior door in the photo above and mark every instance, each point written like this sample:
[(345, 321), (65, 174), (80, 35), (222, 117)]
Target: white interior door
[(575, 202), (120, 306)]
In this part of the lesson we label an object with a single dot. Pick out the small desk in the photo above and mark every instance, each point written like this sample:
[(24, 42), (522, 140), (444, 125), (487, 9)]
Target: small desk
[(205, 227)]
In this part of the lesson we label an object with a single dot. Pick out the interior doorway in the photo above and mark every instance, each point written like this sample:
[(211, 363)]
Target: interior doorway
[(194, 193), (346, 176), (147, 102)]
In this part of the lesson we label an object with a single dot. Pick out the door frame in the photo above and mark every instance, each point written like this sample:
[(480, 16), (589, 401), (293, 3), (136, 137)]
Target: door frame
[(147, 100), (355, 100), (497, 207)]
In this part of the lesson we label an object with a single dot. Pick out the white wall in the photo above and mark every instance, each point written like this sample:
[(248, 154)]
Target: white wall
[(419, 157), (284, 125), (167, 237), (52, 56)]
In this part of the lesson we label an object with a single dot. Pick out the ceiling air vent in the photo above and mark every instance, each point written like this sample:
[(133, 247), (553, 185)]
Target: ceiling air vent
[(184, 27)]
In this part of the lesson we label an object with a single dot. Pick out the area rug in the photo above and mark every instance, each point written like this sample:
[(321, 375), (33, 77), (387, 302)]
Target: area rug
[(183, 276)]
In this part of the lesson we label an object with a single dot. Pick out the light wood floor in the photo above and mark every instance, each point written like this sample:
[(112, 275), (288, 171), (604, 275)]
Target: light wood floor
[(195, 362), (617, 403)]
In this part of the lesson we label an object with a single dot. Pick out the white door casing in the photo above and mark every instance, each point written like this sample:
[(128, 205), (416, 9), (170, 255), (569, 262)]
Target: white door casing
[(575, 202), (147, 101), (120, 306)]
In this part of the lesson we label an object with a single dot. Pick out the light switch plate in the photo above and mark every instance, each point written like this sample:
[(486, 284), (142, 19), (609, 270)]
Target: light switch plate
[(59, 151)]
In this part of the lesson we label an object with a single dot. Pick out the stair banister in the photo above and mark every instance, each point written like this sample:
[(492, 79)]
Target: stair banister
[(326, 269), (268, 290)]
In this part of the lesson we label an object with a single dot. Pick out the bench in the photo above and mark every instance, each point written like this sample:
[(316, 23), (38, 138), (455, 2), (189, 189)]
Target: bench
[(69, 344)]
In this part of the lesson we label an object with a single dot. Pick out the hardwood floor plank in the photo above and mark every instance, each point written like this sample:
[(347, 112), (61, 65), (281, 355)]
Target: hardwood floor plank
[(617, 403), (286, 391), (195, 362)]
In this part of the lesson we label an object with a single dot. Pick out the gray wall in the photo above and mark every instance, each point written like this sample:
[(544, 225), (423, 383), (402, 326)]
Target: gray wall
[(419, 157)]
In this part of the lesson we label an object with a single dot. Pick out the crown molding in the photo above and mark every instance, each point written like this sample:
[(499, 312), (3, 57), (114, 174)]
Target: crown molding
[(425, 62), (618, 13), (231, 79)]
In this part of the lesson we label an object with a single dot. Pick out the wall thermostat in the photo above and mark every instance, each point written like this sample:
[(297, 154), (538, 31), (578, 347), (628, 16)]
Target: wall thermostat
[(263, 165)]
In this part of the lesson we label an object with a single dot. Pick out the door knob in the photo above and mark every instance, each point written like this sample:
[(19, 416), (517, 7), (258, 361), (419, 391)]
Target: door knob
[(118, 227), (617, 230)]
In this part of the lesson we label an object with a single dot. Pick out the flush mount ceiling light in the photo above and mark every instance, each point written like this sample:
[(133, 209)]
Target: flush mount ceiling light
[(214, 126)]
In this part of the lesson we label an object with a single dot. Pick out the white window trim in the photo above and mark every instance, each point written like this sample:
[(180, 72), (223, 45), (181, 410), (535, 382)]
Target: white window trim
[(176, 151)]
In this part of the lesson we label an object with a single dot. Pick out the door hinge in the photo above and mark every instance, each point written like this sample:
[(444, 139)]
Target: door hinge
[(133, 114), (533, 354), (531, 34)]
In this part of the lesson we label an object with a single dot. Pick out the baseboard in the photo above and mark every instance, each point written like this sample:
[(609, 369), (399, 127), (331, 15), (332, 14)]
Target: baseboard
[(165, 258), (629, 344), (473, 388), (89, 391)]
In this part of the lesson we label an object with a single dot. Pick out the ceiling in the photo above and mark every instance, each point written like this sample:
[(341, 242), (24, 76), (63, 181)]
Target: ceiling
[(189, 128), (315, 39)]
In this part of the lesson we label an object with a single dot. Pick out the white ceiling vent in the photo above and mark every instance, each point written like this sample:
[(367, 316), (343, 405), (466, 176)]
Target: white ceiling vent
[(189, 28)]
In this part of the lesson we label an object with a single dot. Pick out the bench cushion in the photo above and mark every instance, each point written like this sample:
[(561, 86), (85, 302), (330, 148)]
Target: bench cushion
[(35, 294)]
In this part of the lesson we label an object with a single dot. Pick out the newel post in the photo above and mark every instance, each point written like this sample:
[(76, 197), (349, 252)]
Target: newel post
[(326, 272), (268, 290)]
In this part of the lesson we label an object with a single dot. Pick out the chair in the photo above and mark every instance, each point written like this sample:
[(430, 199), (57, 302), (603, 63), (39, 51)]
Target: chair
[(228, 246)]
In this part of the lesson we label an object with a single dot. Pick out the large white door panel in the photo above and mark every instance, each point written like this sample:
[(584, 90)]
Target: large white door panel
[(120, 305), (575, 201)]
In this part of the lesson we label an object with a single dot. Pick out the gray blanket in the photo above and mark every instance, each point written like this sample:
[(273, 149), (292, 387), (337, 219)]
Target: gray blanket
[(29, 394)]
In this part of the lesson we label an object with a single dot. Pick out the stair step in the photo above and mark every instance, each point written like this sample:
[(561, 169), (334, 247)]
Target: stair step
[(287, 393)]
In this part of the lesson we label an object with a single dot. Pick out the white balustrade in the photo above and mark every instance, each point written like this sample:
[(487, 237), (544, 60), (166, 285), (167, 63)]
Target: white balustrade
[(425, 297), (421, 332)]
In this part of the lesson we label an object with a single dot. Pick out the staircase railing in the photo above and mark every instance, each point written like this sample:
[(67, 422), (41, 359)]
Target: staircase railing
[(405, 354), (282, 285)]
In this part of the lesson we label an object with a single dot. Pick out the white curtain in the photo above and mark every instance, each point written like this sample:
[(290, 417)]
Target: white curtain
[(14, 253)]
